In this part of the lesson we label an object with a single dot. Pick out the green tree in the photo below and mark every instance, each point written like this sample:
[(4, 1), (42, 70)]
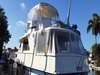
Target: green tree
[(4, 33), (94, 24), (96, 52)]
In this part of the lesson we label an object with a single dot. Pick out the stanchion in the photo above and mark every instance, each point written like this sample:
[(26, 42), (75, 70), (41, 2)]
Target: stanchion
[(10, 69)]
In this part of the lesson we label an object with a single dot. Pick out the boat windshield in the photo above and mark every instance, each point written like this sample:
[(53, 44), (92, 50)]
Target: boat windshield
[(66, 42)]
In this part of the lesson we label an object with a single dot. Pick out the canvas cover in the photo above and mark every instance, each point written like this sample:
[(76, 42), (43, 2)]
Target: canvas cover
[(42, 10)]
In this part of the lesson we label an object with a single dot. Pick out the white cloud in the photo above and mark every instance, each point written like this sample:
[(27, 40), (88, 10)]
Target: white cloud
[(23, 6), (21, 23), (9, 27)]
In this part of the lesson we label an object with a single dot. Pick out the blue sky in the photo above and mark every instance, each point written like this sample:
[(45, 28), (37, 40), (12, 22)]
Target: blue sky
[(81, 12)]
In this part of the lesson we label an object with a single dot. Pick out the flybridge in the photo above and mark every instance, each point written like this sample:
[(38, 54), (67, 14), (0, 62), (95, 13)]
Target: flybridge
[(42, 15)]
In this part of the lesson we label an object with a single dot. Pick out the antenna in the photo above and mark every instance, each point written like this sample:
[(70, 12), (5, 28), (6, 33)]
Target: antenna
[(68, 15)]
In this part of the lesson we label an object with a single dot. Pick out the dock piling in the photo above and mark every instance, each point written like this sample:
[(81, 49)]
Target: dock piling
[(0, 69)]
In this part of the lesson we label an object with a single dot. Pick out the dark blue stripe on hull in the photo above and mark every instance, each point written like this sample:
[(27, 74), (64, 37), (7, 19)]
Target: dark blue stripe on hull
[(74, 74)]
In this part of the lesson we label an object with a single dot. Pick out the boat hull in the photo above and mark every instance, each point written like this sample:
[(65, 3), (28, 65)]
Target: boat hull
[(24, 70)]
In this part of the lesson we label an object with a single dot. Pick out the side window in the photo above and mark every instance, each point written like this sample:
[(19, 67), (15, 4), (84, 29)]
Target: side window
[(62, 42), (74, 44), (25, 45), (20, 45), (50, 41), (41, 42), (81, 47)]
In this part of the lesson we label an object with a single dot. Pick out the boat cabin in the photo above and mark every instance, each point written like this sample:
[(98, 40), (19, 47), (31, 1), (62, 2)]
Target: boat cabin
[(55, 41)]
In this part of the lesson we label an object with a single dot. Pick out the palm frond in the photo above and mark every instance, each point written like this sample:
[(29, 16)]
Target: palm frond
[(95, 16), (89, 28), (1, 9), (90, 21)]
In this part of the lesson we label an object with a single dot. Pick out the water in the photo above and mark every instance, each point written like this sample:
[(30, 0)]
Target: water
[(92, 72)]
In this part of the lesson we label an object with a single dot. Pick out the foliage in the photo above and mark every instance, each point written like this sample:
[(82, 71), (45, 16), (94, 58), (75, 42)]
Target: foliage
[(97, 72), (96, 52), (4, 33)]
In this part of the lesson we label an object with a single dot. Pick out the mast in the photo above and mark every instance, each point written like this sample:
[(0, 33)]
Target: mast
[(68, 15)]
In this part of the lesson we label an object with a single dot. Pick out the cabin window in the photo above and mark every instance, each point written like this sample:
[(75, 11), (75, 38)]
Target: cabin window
[(35, 18), (50, 41), (25, 45), (20, 45), (81, 48), (28, 25), (74, 44), (41, 42), (62, 42)]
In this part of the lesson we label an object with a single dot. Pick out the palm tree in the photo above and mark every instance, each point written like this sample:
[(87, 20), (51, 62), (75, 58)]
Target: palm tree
[(94, 24), (4, 33)]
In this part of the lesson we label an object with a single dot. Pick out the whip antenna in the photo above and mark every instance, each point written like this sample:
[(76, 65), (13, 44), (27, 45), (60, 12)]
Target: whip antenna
[(68, 15)]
